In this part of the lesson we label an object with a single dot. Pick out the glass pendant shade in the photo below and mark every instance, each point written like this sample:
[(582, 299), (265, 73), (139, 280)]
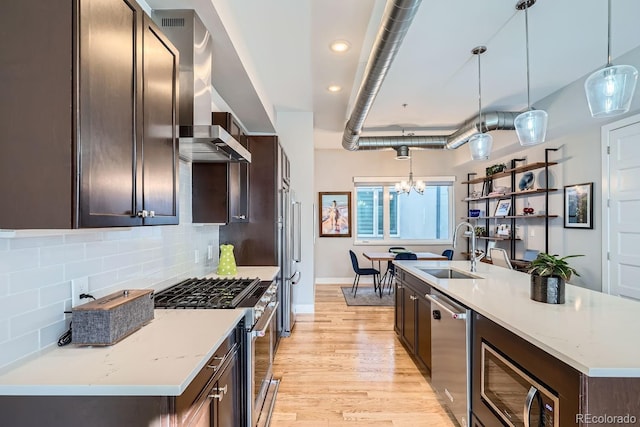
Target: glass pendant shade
[(610, 90), (531, 127), (480, 146)]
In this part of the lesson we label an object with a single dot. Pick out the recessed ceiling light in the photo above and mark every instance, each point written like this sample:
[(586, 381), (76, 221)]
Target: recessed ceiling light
[(334, 88), (340, 46)]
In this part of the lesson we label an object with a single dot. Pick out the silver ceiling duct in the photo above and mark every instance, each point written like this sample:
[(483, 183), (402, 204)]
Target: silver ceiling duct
[(497, 120), (398, 18)]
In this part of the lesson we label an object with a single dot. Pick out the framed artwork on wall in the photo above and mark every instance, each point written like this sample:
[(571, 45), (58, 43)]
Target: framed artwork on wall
[(335, 213), (578, 206)]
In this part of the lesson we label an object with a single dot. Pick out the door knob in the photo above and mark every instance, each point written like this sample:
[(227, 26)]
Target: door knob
[(436, 314)]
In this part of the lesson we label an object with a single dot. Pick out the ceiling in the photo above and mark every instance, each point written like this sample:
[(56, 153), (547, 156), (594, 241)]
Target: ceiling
[(283, 47)]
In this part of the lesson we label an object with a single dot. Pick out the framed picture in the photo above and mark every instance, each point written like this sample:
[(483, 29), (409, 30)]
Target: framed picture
[(335, 214), (503, 207), (578, 205)]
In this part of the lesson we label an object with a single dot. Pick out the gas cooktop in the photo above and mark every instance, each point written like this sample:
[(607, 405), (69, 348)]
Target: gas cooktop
[(206, 293)]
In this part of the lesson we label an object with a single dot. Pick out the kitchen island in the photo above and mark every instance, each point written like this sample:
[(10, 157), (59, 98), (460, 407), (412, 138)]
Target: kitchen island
[(588, 347)]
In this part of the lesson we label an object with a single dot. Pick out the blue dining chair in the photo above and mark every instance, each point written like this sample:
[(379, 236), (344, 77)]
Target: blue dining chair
[(448, 253), (407, 256), (363, 272), (390, 272)]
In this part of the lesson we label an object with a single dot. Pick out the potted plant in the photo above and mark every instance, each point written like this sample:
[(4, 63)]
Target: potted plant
[(548, 276)]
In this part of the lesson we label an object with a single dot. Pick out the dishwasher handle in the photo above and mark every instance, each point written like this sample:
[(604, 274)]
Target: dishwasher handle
[(449, 308)]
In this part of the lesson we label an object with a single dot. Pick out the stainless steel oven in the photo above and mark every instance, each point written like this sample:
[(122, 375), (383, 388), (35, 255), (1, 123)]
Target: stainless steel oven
[(518, 399), (263, 387), (260, 300)]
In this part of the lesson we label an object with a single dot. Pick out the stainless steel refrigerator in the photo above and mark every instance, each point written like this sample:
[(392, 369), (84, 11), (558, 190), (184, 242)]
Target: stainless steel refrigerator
[(289, 241)]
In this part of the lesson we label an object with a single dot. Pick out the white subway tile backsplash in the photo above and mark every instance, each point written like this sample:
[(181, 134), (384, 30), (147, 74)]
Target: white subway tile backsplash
[(21, 281), (37, 266), (100, 249), (37, 319), (36, 242), (56, 293), (4, 285), (99, 282), (61, 254), (4, 330), (50, 334), (119, 234), (13, 305), (127, 259), (83, 236), (17, 348), (74, 270), (18, 260), (134, 272)]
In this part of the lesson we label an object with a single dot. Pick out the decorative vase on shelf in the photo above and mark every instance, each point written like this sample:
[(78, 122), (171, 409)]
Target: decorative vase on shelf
[(227, 265)]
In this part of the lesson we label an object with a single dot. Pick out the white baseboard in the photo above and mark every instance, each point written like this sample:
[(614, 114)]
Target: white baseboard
[(342, 280)]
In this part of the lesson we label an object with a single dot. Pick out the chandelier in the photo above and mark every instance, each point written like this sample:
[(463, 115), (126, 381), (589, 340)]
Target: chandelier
[(406, 186)]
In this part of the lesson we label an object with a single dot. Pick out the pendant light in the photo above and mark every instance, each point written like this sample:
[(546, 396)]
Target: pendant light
[(480, 143), (609, 90), (531, 126)]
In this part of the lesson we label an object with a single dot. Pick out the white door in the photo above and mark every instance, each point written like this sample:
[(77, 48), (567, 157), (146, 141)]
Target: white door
[(621, 219)]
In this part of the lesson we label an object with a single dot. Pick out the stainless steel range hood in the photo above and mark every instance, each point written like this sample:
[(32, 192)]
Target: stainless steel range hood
[(200, 141), (210, 143)]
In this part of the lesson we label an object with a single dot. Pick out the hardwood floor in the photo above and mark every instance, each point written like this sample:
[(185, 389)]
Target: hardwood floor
[(344, 366)]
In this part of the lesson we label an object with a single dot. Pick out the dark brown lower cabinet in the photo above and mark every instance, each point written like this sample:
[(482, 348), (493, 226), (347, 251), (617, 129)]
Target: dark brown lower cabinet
[(413, 317), (581, 400), (214, 398)]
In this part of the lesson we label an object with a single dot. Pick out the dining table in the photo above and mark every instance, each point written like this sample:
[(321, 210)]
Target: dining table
[(390, 256)]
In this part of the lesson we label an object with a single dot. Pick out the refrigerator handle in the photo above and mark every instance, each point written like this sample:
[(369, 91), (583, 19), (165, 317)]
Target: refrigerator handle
[(295, 278), (297, 240)]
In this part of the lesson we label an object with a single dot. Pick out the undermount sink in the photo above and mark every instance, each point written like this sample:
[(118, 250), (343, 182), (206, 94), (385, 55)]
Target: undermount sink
[(447, 273)]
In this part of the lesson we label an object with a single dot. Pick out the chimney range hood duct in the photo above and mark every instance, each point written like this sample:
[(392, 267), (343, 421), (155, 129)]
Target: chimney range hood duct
[(199, 140), (398, 17)]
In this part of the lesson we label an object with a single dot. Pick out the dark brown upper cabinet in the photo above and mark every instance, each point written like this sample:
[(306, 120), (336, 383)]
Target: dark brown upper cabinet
[(89, 116), (221, 190)]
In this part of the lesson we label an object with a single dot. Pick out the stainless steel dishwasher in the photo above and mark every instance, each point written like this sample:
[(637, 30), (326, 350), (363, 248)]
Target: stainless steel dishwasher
[(450, 374)]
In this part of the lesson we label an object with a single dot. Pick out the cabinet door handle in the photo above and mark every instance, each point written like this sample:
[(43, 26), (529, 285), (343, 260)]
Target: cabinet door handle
[(220, 394), (142, 214), (240, 216), (413, 297), (152, 214)]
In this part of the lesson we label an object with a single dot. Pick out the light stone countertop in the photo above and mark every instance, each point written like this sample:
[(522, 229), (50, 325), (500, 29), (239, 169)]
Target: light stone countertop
[(160, 359), (595, 333), (264, 273)]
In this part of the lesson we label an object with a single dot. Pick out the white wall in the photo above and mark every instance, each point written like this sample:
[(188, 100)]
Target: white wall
[(334, 171), (37, 267), (295, 133)]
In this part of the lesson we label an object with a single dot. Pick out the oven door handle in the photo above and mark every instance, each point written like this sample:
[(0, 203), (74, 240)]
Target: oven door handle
[(260, 329)]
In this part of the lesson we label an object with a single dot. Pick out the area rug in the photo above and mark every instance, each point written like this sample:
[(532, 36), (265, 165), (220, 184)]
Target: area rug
[(366, 297)]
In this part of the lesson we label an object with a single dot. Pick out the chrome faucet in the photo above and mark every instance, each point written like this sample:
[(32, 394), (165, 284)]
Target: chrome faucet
[(473, 257)]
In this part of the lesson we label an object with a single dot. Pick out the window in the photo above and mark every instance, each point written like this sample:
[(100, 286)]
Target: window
[(383, 216)]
